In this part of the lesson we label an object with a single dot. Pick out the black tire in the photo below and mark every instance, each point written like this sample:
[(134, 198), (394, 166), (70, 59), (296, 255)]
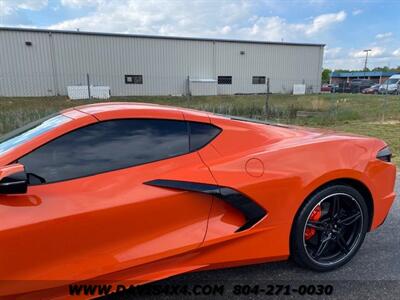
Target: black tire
[(333, 228)]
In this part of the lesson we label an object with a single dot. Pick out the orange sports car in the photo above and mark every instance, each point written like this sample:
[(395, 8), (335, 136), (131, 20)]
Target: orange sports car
[(119, 192)]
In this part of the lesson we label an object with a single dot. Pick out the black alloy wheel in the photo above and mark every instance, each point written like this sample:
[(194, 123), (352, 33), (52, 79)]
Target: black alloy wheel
[(329, 228)]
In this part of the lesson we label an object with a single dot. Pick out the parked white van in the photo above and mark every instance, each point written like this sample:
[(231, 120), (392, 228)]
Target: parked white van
[(391, 85)]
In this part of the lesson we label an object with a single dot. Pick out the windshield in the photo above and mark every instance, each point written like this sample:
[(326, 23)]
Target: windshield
[(29, 131), (391, 81)]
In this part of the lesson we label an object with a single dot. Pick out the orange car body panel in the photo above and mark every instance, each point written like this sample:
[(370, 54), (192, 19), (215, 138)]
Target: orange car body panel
[(111, 227)]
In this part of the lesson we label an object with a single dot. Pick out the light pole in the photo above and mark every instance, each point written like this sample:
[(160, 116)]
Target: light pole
[(366, 59)]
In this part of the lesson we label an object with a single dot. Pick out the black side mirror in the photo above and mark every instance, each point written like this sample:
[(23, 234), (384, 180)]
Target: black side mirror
[(13, 180)]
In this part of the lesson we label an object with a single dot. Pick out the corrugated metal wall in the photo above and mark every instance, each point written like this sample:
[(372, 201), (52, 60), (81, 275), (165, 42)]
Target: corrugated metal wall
[(57, 60), (24, 70)]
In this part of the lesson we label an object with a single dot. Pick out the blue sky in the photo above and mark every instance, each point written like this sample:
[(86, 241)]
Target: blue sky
[(346, 27)]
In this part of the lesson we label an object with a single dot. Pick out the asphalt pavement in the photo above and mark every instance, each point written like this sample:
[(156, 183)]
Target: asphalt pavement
[(374, 273)]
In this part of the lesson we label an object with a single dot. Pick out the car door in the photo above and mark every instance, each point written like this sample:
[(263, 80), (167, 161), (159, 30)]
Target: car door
[(88, 211)]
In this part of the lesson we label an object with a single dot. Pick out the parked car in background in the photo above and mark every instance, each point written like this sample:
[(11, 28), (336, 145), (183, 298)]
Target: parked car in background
[(326, 87), (357, 85), (342, 87), (335, 88), (371, 90), (391, 85)]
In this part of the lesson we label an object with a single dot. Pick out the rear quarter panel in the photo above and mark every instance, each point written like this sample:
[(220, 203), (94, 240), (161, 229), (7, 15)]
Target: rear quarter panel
[(294, 164)]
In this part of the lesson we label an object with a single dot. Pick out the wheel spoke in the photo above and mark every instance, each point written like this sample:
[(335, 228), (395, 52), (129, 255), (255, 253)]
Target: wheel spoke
[(342, 244), (316, 225), (335, 206), (322, 247), (350, 219)]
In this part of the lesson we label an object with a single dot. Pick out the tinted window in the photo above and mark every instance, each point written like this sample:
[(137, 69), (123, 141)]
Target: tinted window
[(107, 146), (201, 134)]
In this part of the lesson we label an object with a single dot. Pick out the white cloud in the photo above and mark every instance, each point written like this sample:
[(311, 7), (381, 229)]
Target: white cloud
[(277, 29), (226, 29), (8, 7), (31, 4), (385, 35), (323, 22), (197, 18), (396, 52), (357, 12), (332, 53), (238, 19), (80, 3), (267, 28)]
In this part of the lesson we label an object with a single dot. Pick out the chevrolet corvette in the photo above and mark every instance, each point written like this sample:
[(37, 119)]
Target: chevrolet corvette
[(138, 192)]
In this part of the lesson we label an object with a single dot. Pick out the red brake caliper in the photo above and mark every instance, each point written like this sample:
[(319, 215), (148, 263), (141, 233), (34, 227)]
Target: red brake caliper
[(315, 216)]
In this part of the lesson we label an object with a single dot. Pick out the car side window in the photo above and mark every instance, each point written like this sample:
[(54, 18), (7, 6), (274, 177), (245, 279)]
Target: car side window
[(201, 134), (106, 146)]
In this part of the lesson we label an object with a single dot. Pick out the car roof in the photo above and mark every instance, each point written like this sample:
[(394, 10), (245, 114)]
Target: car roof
[(107, 106), (116, 107)]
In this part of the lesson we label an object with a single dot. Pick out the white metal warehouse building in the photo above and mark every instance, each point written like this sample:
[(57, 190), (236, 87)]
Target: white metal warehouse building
[(36, 62)]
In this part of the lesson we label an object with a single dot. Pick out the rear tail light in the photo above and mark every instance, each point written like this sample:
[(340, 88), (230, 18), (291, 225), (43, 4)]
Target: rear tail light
[(385, 154)]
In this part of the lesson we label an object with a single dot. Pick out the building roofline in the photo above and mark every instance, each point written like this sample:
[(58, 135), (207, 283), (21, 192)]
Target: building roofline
[(362, 74), (155, 36)]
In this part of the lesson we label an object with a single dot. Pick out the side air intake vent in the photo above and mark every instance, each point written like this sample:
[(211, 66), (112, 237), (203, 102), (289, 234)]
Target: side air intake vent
[(250, 209)]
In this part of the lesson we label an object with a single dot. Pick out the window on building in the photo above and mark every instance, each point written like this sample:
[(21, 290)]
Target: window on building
[(258, 79), (224, 79), (134, 79), (106, 146)]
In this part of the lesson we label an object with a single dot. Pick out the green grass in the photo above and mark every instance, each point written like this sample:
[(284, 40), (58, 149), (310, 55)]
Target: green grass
[(372, 115)]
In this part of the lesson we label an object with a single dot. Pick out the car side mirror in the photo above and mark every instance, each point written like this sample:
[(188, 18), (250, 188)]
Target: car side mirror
[(13, 179)]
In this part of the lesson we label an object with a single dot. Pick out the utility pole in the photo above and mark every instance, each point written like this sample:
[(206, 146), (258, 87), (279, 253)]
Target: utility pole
[(366, 58)]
